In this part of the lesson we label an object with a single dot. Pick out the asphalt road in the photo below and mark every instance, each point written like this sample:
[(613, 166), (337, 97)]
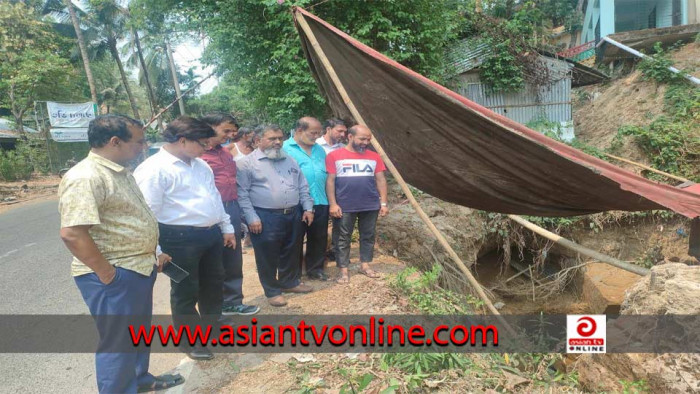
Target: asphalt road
[(35, 279)]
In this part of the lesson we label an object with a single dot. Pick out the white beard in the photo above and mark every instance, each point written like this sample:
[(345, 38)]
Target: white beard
[(275, 154)]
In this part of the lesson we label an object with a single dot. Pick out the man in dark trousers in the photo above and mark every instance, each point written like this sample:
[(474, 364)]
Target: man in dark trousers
[(334, 135), (274, 197), (357, 192), (194, 227), (112, 234), (224, 167), (312, 160)]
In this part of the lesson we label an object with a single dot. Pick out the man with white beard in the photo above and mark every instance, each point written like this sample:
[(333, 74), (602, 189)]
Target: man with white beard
[(275, 199)]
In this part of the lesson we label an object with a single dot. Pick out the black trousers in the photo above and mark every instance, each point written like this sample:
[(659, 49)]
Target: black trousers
[(277, 250), (198, 298), (316, 241), (366, 225), (233, 260)]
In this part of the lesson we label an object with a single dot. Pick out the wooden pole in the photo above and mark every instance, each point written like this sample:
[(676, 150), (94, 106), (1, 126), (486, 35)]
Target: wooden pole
[(153, 119), (634, 163), (578, 248), (390, 165)]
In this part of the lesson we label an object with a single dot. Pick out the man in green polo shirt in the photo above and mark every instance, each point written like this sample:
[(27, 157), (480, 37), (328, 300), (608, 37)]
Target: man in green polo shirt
[(312, 158)]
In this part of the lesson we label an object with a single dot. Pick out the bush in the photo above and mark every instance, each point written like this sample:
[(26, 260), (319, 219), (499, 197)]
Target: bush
[(20, 163), (14, 166)]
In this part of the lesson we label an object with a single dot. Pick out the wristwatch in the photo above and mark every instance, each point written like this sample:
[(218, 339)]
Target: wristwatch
[(383, 204)]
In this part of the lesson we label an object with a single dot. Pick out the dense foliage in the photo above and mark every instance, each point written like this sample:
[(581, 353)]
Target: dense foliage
[(256, 44), (33, 60)]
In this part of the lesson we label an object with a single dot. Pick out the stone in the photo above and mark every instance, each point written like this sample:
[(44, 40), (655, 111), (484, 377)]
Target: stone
[(604, 287)]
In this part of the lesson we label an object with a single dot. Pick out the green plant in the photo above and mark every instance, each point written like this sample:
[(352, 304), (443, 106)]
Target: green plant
[(656, 65), (418, 366), (635, 387), (21, 162), (424, 293), (502, 71)]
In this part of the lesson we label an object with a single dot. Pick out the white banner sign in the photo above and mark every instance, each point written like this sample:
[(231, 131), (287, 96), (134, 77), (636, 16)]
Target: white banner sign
[(69, 135), (71, 115)]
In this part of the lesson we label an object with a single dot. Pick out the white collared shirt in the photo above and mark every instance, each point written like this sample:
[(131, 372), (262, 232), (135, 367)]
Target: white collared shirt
[(328, 148), (181, 194)]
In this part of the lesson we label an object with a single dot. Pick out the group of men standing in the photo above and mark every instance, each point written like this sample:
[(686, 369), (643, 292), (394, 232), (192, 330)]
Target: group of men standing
[(185, 205)]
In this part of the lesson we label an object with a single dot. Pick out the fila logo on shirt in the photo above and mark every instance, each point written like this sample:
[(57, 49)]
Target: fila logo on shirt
[(355, 167)]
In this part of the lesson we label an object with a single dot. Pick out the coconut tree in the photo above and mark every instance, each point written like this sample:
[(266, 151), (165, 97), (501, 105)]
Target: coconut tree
[(63, 11), (110, 20), (83, 48)]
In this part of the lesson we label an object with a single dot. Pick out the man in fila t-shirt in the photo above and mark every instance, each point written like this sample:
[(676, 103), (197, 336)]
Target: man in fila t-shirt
[(356, 189)]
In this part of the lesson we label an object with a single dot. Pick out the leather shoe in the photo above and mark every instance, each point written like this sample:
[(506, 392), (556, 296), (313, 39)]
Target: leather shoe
[(199, 353), (277, 301), (301, 288), (318, 276)]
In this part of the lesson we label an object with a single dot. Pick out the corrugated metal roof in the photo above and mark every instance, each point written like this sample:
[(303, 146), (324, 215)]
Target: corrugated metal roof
[(467, 54), (10, 126)]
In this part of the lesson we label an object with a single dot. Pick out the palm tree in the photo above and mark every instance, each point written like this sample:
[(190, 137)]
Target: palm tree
[(141, 59), (110, 19), (61, 11), (83, 49)]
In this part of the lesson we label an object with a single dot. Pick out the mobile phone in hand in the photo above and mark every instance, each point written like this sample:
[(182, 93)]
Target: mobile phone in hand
[(174, 272)]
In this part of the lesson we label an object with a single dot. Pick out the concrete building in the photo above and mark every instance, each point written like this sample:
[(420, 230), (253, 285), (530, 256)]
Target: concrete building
[(605, 17)]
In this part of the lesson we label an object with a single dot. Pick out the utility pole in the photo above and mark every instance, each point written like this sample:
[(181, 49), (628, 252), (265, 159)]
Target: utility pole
[(173, 71)]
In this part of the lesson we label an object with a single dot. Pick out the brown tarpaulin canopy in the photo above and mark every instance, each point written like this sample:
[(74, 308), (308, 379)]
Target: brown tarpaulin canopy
[(461, 152)]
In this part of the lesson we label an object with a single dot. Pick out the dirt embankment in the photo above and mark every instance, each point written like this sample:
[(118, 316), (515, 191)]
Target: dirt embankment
[(600, 110), (403, 235)]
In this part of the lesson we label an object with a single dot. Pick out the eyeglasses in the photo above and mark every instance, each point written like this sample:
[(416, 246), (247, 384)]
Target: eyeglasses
[(202, 144)]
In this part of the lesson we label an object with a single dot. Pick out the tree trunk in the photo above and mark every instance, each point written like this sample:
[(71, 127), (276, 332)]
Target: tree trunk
[(173, 71), (17, 113), (574, 39), (83, 50), (151, 95), (112, 43)]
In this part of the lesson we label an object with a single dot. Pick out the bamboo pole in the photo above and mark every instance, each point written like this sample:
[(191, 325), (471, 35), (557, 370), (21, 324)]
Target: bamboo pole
[(646, 167), (578, 248), (153, 119), (390, 165)]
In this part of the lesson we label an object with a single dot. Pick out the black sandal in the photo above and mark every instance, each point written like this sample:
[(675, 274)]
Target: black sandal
[(162, 382)]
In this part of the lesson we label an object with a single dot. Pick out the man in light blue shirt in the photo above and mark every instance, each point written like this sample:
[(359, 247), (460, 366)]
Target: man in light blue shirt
[(311, 157)]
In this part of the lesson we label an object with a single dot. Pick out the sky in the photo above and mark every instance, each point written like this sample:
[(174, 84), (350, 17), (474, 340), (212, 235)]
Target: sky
[(187, 55)]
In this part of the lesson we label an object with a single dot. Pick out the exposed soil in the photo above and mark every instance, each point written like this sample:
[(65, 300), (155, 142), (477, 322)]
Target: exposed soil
[(270, 373), (600, 110), (13, 194), (330, 373)]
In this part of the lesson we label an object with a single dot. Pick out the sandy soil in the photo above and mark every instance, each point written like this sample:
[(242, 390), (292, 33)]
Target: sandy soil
[(40, 187)]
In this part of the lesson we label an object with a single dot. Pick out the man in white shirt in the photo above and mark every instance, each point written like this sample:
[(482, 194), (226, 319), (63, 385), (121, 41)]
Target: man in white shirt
[(335, 131), (179, 187)]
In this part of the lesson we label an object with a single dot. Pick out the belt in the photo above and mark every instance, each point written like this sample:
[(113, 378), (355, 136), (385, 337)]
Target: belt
[(283, 211), (229, 203), (187, 228)]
